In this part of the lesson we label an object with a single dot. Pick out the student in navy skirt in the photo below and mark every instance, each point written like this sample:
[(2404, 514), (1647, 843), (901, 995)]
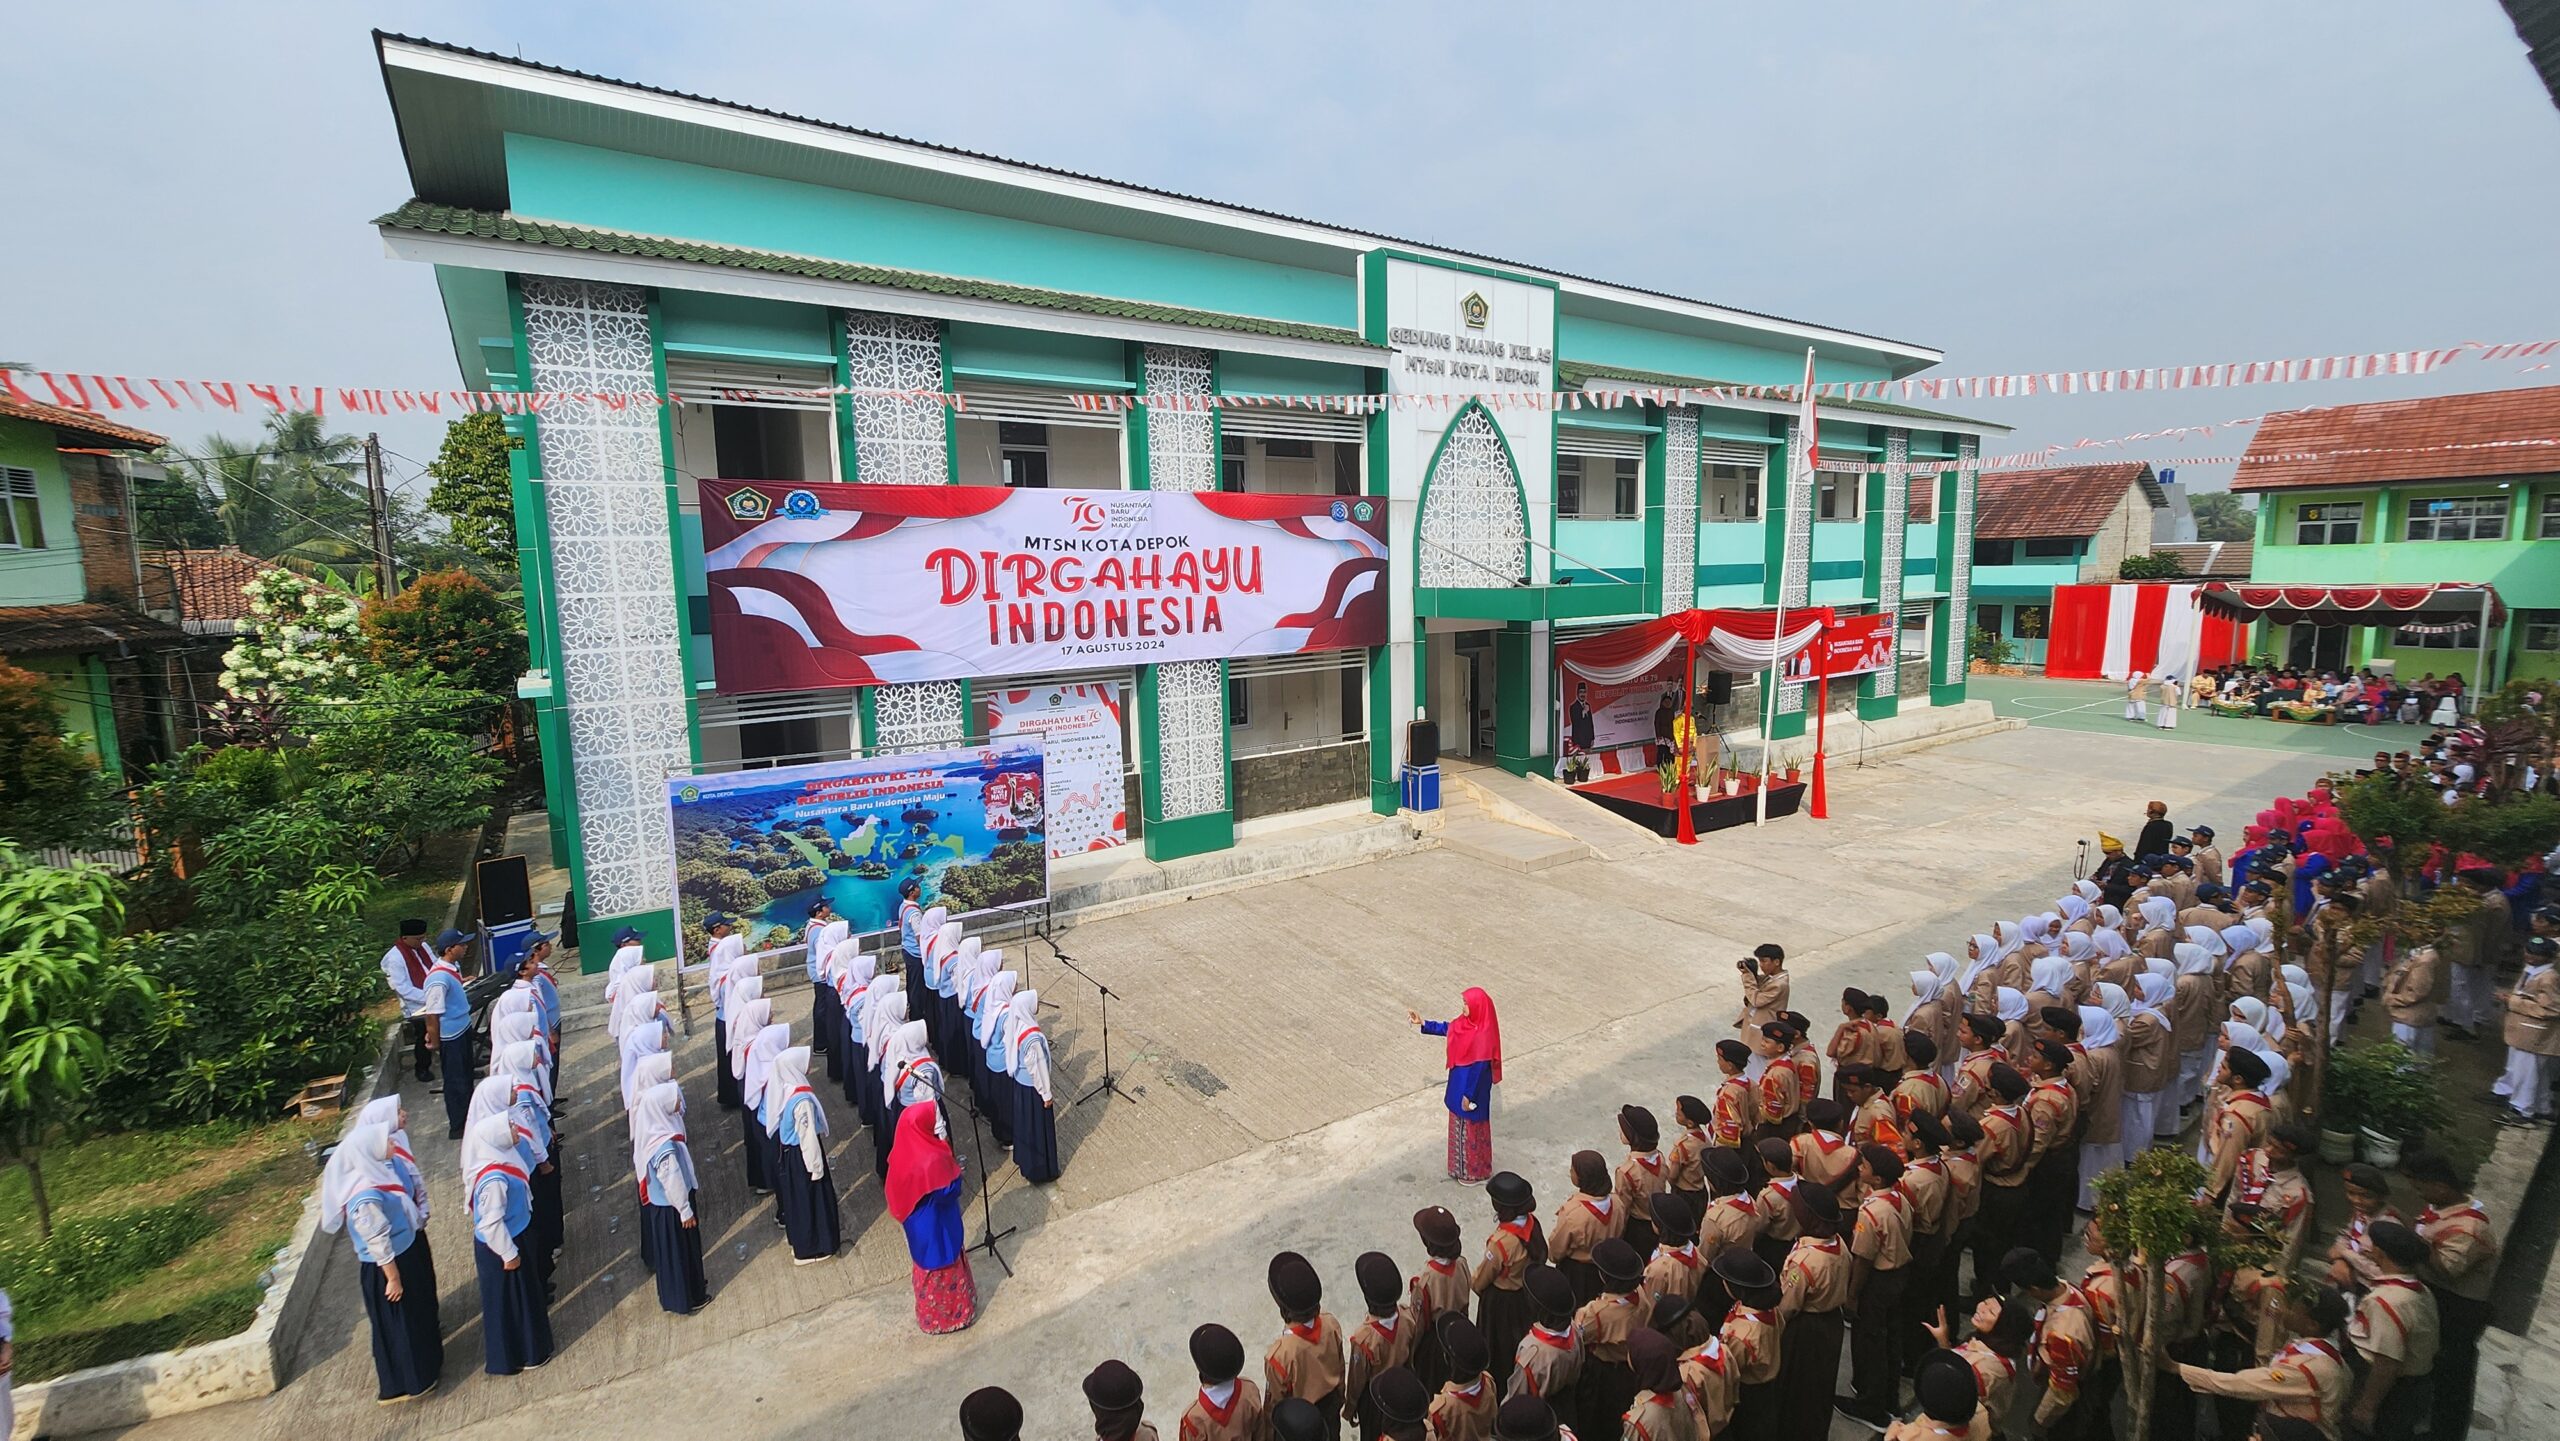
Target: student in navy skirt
[(810, 1215), (745, 1023), (995, 1013), (364, 1194), (515, 1317), (1035, 1110), (670, 1232)]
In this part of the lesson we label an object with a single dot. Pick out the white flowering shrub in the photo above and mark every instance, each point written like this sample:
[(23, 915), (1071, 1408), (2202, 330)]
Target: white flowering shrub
[(299, 641)]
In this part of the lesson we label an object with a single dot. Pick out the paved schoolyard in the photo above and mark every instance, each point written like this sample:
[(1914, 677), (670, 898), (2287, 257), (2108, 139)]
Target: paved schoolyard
[(2097, 707), (1281, 1103)]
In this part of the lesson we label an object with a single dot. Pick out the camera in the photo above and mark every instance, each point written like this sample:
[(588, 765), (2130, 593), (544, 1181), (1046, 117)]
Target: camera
[(1749, 966)]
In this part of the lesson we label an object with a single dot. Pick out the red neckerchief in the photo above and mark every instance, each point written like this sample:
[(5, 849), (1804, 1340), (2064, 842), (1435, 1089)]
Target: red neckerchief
[(1519, 1230), (1710, 1354), (2309, 1343), (1309, 1332), (1218, 1413), (1596, 1205), (1560, 1340), (1441, 1264), (2431, 1215), (1650, 1160), (2008, 1367), (419, 960), (1686, 1255)]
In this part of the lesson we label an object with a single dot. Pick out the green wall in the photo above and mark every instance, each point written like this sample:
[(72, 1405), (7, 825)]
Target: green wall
[(50, 576), (1600, 550), (1586, 340), (697, 323), (2526, 572), (579, 184)]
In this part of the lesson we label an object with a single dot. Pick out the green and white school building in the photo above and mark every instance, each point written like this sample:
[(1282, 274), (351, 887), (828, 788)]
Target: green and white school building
[(593, 235)]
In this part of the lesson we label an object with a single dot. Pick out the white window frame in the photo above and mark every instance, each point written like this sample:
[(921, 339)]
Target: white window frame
[(1744, 490), (1849, 485), (17, 485), (2328, 524), (2481, 507), (1352, 665), (2547, 526)]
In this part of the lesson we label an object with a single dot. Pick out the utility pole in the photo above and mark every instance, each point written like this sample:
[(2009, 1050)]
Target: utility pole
[(386, 575)]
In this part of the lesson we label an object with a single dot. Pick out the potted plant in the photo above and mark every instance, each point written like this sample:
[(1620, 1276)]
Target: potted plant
[(2391, 1097)]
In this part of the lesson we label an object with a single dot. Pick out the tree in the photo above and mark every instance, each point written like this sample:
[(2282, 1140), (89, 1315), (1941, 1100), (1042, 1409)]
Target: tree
[(177, 510), (51, 791), (396, 759), (2223, 516), (2159, 565), (62, 992), (453, 624), (474, 490), (299, 639), (2147, 1216)]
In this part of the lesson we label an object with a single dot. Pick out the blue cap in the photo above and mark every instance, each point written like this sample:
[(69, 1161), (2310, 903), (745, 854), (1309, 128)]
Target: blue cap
[(451, 938), (626, 936), (716, 918)]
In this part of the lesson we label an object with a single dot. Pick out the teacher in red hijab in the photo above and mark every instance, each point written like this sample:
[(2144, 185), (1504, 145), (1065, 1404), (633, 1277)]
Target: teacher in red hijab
[(1475, 1068)]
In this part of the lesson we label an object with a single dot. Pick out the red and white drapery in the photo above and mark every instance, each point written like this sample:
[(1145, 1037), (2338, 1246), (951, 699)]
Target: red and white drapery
[(2446, 602), (1741, 641), (2113, 631)]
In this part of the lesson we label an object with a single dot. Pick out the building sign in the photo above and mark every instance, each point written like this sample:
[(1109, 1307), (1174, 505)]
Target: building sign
[(1855, 645), (824, 585), (1077, 728), (762, 846)]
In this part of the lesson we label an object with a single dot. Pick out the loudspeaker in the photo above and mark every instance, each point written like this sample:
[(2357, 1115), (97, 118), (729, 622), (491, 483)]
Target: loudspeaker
[(1719, 687), (506, 890), (1422, 743)]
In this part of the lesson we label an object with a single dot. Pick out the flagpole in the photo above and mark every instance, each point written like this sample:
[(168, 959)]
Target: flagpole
[(1808, 444)]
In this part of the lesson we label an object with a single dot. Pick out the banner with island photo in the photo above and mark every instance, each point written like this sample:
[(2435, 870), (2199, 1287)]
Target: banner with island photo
[(762, 846)]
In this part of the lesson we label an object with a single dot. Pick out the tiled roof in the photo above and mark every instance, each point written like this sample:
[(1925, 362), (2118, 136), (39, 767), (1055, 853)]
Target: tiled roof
[(82, 425), (82, 626), (209, 582), (2393, 436), (424, 218), (2211, 559), (2071, 500), (1582, 372)]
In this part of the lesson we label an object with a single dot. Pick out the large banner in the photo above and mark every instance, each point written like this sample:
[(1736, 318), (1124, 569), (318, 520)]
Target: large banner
[(1597, 717), (1856, 645), (820, 585), (1077, 728), (761, 846)]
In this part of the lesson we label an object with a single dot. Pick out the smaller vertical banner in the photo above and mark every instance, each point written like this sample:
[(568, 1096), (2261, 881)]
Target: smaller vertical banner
[(1077, 728)]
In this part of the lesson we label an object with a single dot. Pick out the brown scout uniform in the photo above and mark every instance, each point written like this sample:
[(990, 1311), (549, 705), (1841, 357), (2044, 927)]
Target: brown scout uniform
[(1777, 1220), (1751, 1339), (1815, 1278), (1463, 1411), (1713, 1379), (1995, 1377), (1306, 1361), (1441, 1289), (1640, 1175), (1974, 1095), (1885, 1039), (1674, 1271), (1876, 1120), (1727, 1221), (2409, 988), (1882, 1238), (2150, 1059), (1930, 1191), (1547, 1363), (2307, 1380), (2101, 1070), (2239, 1122), (1659, 1418), (1241, 1419), (2193, 1000), (1778, 1095), (1606, 1322), (1824, 1156), (2285, 1194), (1681, 1161), (1582, 1223), (1764, 998), (1381, 1344), (2462, 1252), (1737, 1110), (1853, 1043), (2533, 1013), (2396, 1320), (2053, 1110)]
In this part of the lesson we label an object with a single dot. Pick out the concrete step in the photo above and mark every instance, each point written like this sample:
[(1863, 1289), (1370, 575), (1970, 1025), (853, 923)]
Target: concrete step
[(1511, 847)]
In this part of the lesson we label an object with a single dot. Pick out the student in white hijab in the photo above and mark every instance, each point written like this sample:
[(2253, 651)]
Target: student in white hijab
[(810, 1214), (2159, 925), (640, 1044), (758, 1094), (1982, 954), (1035, 1113), (2076, 912), (363, 1194), (939, 959), (2049, 981), (2087, 890), (882, 1021), (2101, 1069), (911, 1077), (515, 1305), (2193, 1011), (976, 984), (837, 976), (2012, 1009), (747, 1020), (627, 957), (2151, 1061), (2136, 707), (950, 1034), (854, 997), (626, 991), (1933, 1013), (746, 989), (670, 1232)]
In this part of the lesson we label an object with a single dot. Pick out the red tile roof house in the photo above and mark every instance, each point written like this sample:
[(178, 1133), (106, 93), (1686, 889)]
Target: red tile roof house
[(2453, 489), (2036, 529)]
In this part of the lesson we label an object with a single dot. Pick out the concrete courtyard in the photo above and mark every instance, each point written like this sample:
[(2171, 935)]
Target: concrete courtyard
[(1281, 1103)]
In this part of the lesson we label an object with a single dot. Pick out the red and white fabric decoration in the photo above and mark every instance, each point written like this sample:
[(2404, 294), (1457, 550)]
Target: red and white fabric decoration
[(1729, 640), (2112, 631), (2448, 602)]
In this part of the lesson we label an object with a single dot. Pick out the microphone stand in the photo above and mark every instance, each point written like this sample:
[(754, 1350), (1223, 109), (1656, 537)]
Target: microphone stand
[(988, 1235), (1110, 1082)]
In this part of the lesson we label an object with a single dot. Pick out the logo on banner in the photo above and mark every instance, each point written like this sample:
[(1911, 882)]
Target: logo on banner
[(689, 794), (802, 505), (749, 505), (1340, 511), (1363, 511), (1087, 515), (1475, 310)]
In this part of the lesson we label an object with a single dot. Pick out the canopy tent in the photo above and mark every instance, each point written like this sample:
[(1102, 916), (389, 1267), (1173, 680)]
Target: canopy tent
[(2451, 602)]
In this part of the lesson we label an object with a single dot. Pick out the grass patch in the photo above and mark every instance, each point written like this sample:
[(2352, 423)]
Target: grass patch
[(159, 1239), (425, 890)]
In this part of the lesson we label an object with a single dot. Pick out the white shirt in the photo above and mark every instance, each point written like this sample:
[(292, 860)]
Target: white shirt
[(395, 969), (666, 1179)]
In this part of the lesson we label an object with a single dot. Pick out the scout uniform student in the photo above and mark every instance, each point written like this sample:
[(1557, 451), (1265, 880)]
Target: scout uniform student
[(1658, 1411), (990, 1413), (1813, 1289), (1934, 1008), (1752, 1338), (1806, 1060), (1780, 1096), (1464, 1409), (2062, 1346), (2461, 1263), (2368, 1194), (1516, 1243), (1879, 1270), (1681, 1161), (1383, 1340), (1735, 1113), (446, 1007), (1401, 1404), (2099, 1072), (1305, 1360), (1995, 1353), (1641, 1174), (1923, 1088), (2409, 994), (1713, 1382), (2239, 1120), (1227, 1406), (1728, 1220), (1964, 1194), (1823, 1153), (2532, 1035), (1606, 1321), (1765, 986), (2007, 1154), (1924, 1181), (1119, 1402), (1526, 1418), (1771, 1207), (2270, 1177), (2053, 1118), (1871, 1113), (2394, 1335), (1589, 1217), (1982, 1050), (1548, 1361), (1674, 1268), (2207, 856), (1950, 1410), (1439, 1289), (2306, 1380), (1884, 1038), (1853, 1041)]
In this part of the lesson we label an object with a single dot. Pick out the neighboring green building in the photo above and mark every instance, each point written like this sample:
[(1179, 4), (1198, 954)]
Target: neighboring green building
[(591, 235), (2037, 529), (73, 586), (2458, 488)]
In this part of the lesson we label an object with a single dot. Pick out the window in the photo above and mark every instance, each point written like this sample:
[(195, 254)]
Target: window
[(1231, 463), (1568, 486), (2053, 547), (2435, 637), (2458, 517), (1988, 617), (1837, 494), (2029, 622), (1346, 469), (21, 516), (1733, 492), (1239, 707), (1915, 631), (1022, 455), (2542, 630), (2329, 524), (1630, 496), (1296, 702), (1924, 500), (2549, 526), (1995, 552)]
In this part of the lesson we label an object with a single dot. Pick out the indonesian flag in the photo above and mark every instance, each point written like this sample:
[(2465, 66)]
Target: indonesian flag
[(1810, 453)]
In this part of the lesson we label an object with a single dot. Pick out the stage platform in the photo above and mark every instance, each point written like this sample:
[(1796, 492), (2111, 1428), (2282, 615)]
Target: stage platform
[(1639, 798)]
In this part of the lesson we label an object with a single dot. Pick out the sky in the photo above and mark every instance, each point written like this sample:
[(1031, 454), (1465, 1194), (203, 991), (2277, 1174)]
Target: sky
[(2024, 186)]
